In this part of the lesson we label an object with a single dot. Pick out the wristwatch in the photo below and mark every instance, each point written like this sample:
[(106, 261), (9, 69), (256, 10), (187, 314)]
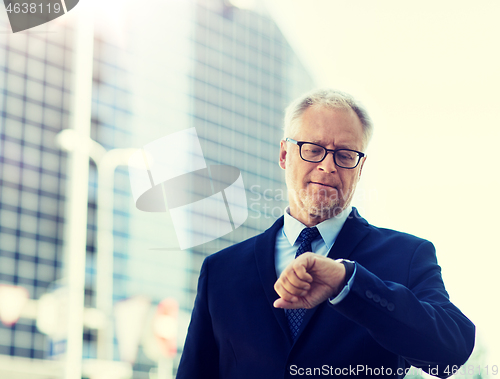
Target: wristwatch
[(349, 269)]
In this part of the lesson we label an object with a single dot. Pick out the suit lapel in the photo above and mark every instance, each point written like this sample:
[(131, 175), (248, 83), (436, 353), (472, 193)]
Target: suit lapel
[(265, 257), (353, 231)]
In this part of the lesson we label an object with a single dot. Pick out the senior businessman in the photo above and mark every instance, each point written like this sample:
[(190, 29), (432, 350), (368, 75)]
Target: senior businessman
[(322, 292)]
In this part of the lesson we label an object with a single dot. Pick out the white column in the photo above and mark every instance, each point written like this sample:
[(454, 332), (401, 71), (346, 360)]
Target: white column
[(77, 191), (105, 245)]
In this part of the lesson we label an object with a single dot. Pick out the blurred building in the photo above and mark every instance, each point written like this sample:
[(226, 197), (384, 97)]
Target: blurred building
[(224, 70), (35, 72)]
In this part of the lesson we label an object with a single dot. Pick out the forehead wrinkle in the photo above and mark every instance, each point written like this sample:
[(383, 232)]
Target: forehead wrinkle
[(310, 124), (336, 146)]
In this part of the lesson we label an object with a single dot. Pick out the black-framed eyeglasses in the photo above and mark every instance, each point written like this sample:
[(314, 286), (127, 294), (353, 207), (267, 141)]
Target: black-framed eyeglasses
[(312, 152)]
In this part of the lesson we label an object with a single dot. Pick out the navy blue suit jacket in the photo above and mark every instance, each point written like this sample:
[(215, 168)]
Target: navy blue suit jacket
[(396, 314)]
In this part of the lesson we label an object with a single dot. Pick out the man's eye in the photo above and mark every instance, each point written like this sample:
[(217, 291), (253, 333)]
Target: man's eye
[(311, 150), (346, 156)]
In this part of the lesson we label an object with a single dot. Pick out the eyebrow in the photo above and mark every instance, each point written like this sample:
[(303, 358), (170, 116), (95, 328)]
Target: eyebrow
[(337, 147)]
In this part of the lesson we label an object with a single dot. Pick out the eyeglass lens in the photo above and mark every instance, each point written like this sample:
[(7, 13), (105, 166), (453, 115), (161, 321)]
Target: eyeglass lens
[(344, 158)]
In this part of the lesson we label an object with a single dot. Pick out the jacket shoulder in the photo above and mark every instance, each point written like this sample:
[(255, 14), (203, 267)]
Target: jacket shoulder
[(248, 246), (396, 234), (240, 248)]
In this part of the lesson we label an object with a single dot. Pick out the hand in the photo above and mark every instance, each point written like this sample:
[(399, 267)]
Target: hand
[(309, 280)]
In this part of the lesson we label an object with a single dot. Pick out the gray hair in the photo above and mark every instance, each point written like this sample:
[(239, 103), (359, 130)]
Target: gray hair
[(329, 98)]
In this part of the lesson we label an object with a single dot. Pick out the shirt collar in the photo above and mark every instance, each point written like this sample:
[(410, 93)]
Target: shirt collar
[(328, 229)]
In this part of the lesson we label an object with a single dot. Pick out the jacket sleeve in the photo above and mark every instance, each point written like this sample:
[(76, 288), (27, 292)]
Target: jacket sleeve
[(417, 321), (200, 358)]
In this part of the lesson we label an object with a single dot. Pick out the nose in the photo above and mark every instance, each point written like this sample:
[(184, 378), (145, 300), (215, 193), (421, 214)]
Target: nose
[(328, 164)]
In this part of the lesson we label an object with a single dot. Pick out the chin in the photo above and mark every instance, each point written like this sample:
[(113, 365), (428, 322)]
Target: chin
[(324, 208), (326, 212)]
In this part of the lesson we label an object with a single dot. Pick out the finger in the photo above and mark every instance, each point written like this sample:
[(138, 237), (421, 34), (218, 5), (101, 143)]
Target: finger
[(280, 303), (300, 271), (292, 279), (283, 292)]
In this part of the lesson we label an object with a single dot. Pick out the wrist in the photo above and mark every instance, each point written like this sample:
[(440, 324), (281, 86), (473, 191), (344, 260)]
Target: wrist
[(343, 289), (349, 271)]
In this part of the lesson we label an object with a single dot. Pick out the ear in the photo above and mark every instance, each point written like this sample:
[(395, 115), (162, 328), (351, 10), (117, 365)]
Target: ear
[(361, 166), (282, 159)]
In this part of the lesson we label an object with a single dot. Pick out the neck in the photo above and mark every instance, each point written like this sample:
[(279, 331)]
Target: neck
[(311, 219)]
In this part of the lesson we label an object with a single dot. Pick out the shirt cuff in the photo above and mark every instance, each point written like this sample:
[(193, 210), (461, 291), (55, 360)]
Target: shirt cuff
[(337, 299)]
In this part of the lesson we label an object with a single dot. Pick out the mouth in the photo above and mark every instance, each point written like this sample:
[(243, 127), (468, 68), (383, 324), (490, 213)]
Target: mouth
[(322, 185)]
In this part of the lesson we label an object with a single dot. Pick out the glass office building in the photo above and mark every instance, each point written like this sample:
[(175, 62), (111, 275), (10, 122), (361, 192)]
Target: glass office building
[(34, 78), (226, 71)]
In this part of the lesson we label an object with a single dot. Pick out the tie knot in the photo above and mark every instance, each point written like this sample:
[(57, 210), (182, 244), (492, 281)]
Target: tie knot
[(308, 235)]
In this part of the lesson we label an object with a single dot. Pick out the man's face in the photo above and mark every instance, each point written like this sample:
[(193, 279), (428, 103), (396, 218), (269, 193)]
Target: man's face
[(318, 191)]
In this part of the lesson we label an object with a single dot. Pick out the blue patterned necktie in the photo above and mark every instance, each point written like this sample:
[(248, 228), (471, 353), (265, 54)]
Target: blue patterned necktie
[(295, 316)]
